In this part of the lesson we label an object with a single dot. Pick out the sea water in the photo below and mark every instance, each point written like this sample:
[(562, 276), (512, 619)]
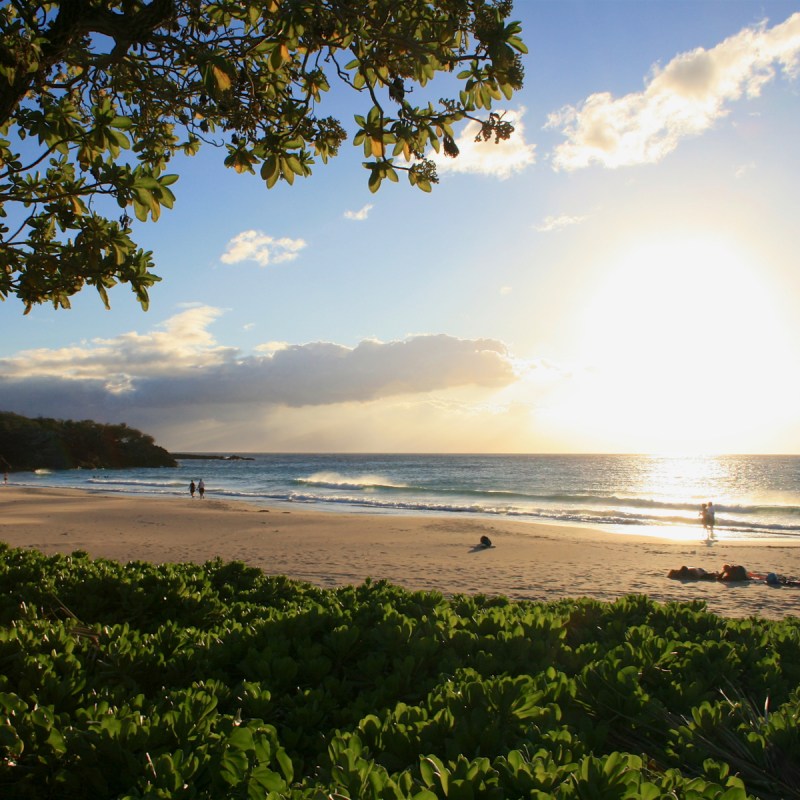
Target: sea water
[(754, 496)]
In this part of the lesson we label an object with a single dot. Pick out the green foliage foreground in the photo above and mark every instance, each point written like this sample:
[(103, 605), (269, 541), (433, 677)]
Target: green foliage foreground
[(217, 681)]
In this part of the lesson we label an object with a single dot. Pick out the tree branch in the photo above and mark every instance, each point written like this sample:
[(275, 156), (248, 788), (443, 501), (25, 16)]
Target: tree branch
[(77, 18)]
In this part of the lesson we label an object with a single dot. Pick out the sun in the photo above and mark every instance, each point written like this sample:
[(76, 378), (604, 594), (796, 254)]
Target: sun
[(682, 310), (680, 339)]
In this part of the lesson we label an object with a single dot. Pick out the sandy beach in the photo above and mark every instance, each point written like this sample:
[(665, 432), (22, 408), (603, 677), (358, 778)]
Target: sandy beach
[(528, 561)]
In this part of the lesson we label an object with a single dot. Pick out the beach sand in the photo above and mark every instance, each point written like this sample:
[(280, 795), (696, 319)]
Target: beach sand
[(529, 561)]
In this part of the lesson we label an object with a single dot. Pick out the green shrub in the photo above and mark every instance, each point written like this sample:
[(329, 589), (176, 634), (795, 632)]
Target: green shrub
[(186, 681)]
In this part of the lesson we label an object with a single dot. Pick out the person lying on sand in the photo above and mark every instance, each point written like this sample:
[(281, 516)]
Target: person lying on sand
[(734, 572), (730, 573), (691, 574)]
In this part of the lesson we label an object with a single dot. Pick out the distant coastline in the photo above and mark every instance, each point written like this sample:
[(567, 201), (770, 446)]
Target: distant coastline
[(209, 457), (28, 444)]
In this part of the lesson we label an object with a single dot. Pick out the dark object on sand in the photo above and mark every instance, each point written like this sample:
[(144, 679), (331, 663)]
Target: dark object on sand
[(691, 574), (734, 572), (486, 541), (731, 573)]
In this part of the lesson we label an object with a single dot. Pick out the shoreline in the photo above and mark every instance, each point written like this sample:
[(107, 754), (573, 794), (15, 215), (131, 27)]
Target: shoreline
[(528, 560), (538, 489), (687, 532)]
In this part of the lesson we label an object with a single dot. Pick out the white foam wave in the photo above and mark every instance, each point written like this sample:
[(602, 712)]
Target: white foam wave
[(333, 480), (135, 484), (584, 515)]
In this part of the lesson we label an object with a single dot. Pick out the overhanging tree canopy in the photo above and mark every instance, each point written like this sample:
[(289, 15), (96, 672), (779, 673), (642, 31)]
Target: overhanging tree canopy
[(98, 96)]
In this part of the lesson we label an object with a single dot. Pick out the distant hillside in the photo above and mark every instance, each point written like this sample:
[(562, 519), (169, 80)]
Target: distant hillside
[(28, 444)]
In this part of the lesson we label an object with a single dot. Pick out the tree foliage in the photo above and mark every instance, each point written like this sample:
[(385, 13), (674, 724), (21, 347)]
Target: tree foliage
[(28, 444), (97, 97)]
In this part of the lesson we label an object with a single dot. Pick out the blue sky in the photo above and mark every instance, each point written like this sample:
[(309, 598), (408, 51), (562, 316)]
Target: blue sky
[(620, 277)]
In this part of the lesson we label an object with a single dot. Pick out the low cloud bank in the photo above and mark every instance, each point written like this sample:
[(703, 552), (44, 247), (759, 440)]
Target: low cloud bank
[(143, 377)]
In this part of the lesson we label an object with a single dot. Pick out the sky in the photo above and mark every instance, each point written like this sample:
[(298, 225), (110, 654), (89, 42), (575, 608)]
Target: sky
[(620, 277)]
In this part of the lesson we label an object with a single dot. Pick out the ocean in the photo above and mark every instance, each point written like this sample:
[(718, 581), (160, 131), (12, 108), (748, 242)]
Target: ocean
[(756, 497)]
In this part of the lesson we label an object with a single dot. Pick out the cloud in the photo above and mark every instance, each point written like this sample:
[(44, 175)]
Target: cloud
[(359, 215), (500, 160), (180, 344), (685, 98), (179, 374), (271, 347), (263, 249), (551, 223)]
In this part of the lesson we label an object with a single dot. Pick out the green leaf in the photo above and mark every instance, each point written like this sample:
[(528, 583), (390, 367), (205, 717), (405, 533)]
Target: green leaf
[(286, 765), (9, 739), (101, 290), (12, 703), (276, 59), (648, 791), (267, 779), (734, 793), (56, 741), (434, 772), (192, 146), (233, 767), (374, 181), (293, 162), (241, 738), (287, 173)]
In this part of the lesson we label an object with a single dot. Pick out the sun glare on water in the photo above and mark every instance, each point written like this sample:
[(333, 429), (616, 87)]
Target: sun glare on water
[(683, 346)]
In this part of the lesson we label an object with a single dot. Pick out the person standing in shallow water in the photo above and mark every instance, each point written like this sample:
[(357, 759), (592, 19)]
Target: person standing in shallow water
[(191, 489), (710, 518), (201, 488)]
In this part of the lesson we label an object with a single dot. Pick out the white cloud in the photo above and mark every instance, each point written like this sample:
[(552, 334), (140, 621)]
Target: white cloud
[(744, 169), (267, 348), (263, 249), (685, 98), (182, 343), (499, 160), (551, 223), (359, 215)]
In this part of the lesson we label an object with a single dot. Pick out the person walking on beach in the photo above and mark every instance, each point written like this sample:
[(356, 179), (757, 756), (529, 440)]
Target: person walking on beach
[(201, 488), (191, 489), (710, 519)]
